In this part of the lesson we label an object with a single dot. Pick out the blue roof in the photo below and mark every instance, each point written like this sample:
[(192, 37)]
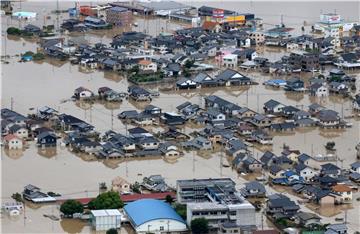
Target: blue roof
[(145, 210)]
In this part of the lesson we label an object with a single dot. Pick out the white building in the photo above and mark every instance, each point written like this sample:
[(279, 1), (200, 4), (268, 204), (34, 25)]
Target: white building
[(216, 200), (13, 208), (19, 131), (216, 213), (319, 90), (105, 219), (13, 142), (230, 60), (120, 185), (154, 216), (147, 65)]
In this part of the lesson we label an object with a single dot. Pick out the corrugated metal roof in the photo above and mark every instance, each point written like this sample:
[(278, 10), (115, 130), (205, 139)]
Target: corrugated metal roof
[(145, 210)]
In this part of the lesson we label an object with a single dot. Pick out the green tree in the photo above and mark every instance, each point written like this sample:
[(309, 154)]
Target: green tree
[(187, 73), (39, 56), (330, 145), (169, 199), (17, 197), (181, 210), (71, 207), (112, 231), (199, 226), (135, 187), (135, 69), (108, 200), (13, 31), (189, 63)]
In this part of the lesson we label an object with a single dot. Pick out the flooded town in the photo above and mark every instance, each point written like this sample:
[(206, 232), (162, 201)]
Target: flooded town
[(160, 116)]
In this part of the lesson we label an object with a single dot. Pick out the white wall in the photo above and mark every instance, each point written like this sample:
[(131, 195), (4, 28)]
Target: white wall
[(167, 224)]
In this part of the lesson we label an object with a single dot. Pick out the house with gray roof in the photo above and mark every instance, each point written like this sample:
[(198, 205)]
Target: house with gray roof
[(280, 206), (260, 120), (203, 79), (199, 143), (272, 106), (267, 159), (328, 118), (223, 105), (306, 219), (253, 189), (339, 228), (231, 77)]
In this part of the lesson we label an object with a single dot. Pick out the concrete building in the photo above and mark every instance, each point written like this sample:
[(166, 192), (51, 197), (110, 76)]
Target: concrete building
[(216, 200), (118, 16), (230, 60), (105, 219), (305, 61), (120, 185), (154, 216)]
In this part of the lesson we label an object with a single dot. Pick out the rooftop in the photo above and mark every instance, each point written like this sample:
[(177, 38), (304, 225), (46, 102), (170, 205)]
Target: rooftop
[(145, 210)]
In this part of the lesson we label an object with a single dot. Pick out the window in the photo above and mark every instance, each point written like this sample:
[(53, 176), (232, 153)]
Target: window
[(161, 228)]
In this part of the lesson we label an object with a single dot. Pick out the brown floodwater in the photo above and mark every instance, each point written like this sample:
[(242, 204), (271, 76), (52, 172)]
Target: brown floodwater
[(50, 82)]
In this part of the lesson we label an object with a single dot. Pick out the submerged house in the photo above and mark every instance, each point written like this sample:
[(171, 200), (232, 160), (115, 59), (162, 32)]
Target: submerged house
[(254, 189), (231, 77), (294, 84), (46, 139), (262, 137), (280, 206), (273, 106), (223, 105), (69, 122), (95, 23), (139, 94), (83, 93), (198, 143), (13, 142), (203, 80), (328, 118)]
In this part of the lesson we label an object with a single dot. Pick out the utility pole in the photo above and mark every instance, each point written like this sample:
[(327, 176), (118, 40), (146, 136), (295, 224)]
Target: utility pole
[(345, 218), (247, 97), (193, 166), (221, 160), (11, 103), (112, 119), (57, 15), (90, 113), (126, 129), (127, 169)]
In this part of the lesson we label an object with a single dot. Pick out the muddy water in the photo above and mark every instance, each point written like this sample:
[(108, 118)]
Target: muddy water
[(85, 174), (33, 85)]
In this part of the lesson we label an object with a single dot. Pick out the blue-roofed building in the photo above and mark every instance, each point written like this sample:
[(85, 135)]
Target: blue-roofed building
[(154, 216)]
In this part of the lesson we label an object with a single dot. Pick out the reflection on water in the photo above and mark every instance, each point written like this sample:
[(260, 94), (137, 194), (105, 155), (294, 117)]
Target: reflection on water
[(72, 226), (14, 153), (47, 152)]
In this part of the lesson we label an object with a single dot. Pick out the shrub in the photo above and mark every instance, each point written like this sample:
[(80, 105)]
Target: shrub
[(200, 226), (108, 200), (13, 31), (71, 207)]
